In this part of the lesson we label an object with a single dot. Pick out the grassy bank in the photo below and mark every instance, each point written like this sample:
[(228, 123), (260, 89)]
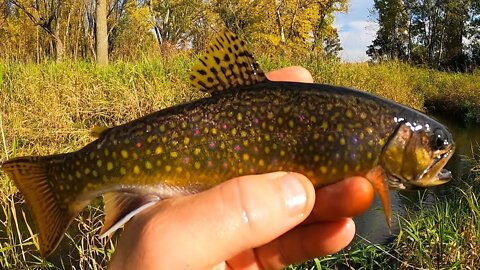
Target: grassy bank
[(50, 108)]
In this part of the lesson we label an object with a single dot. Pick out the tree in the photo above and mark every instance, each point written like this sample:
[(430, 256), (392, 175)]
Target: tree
[(45, 14), (101, 32)]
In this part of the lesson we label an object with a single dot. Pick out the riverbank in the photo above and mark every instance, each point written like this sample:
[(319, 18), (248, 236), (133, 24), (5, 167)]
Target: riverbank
[(50, 108)]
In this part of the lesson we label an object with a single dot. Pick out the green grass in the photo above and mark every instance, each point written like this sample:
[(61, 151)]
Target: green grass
[(50, 108)]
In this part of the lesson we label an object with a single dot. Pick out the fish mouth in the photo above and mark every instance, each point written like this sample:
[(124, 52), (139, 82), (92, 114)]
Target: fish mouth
[(435, 174)]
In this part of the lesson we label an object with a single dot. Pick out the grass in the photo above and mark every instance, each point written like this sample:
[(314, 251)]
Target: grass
[(49, 108)]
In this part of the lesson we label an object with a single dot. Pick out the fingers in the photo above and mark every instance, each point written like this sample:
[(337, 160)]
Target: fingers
[(291, 74), (206, 228), (306, 242), (347, 198)]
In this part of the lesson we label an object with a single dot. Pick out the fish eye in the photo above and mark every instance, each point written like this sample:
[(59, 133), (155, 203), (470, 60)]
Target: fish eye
[(439, 139)]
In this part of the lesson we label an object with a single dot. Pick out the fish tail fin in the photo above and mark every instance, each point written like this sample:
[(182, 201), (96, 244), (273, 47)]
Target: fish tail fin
[(52, 217)]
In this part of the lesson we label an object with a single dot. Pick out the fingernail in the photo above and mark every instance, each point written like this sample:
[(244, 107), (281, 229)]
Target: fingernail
[(295, 194)]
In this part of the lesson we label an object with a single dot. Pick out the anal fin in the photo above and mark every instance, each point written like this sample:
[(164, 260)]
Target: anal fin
[(120, 207)]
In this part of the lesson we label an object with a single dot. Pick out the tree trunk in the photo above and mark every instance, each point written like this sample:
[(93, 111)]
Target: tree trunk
[(101, 32)]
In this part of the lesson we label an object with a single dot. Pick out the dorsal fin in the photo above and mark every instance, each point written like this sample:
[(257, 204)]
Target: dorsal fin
[(97, 131), (227, 64)]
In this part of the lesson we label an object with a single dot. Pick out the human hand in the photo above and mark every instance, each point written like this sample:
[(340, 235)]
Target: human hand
[(250, 222)]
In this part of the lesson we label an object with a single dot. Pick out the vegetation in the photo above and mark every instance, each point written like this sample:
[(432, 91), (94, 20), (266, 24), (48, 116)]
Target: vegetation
[(49, 108), (54, 29)]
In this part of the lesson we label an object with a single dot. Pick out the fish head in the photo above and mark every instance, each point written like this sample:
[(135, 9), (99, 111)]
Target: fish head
[(415, 155)]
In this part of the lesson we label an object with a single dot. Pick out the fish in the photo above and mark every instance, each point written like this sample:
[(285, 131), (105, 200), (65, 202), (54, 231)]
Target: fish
[(246, 125)]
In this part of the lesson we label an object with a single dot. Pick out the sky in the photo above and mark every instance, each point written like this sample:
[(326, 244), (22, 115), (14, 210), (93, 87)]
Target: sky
[(356, 30)]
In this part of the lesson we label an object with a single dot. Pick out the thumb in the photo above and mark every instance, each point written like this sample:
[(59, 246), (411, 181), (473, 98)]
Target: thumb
[(212, 226)]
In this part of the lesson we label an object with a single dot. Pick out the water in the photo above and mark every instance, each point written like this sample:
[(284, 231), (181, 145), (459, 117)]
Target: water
[(372, 225)]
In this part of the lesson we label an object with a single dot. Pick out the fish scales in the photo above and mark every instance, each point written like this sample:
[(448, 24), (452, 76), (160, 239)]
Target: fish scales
[(249, 125)]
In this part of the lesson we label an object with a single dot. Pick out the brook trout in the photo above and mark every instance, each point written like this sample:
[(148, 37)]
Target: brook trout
[(248, 125)]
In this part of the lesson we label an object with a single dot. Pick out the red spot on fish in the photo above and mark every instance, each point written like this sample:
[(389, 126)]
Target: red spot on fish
[(256, 121), (224, 126), (186, 160), (255, 149), (212, 145), (236, 148), (225, 165), (209, 163), (139, 145), (196, 132)]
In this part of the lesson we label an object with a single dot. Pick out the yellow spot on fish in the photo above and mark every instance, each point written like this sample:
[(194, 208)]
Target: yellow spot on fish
[(197, 151), (150, 139), (136, 169), (92, 155), (164, 139), (264, 125), (280, 120), (357, 168), (158, 150), (381, 142), (106, 152), (369, 130), (86, 171), (197, 165), (282, 153), (179, 169), (148, 152), (109, 166), (99, 163), (342, 141), (239, 116), (148, 165), (123, 171), (287, 109), (339, 127), (323, 169), (222, 145), (270, 115), (243, 133), (78, 174), (245, 143), (184, 125), (214, 131), (271, 127), (334, 170), (94, 173), (135, 156), (168, 168), (316, 158), (267, 150), (234, 131), (274, 146), (61, 187), (70, 177), (313, 119), (124, 153), (324, 125), (162, 128), (240, 171), (363, 115), (246, 157), (316, 136), (330, 138), (172, 125), (369, 155), (291, 123), (345, 168), (267, 137), (261, 163), (349, 114), (174, 154)]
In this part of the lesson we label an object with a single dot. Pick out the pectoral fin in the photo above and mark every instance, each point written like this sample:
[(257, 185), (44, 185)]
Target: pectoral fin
[(377, 177), (120, 207)]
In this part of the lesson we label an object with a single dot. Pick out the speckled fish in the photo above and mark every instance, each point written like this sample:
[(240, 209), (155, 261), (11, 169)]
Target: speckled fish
[(248, 125)]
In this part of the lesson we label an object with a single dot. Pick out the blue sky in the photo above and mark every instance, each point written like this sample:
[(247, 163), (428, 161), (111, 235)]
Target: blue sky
[(356, 30)]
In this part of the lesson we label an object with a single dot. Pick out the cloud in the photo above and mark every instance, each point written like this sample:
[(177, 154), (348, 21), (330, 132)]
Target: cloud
[(355, 36)]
